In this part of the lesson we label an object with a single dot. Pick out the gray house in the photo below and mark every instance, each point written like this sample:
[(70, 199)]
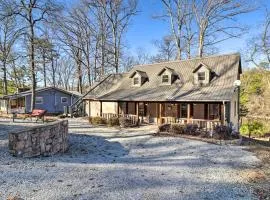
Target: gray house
[(203, 91), (51, 99)]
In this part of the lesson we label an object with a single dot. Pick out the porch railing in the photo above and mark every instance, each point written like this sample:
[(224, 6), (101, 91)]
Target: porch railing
[(202, 123), (133, 118)]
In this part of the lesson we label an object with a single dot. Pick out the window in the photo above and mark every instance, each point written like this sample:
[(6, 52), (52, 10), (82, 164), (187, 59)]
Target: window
[(136, 81), (165, 79), (201, 76), (39, 100), (214, 111), (183, 113), (64, 99)]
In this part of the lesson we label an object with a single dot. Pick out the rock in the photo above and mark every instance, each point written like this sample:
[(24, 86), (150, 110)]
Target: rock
[(42, 140)]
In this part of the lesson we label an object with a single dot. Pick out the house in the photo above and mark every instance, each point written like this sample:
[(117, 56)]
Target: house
[(204, 91), (51, 99)]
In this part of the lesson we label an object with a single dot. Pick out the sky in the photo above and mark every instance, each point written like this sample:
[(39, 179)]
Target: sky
[(143, 29)]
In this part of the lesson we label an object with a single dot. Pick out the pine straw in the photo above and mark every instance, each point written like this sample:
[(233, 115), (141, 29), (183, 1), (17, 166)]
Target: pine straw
[(260, 178)]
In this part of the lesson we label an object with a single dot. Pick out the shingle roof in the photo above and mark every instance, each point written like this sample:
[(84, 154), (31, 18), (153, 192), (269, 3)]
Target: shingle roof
[(118, 87)]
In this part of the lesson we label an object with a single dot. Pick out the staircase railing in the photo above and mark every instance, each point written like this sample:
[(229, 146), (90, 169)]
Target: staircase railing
[(76, 105)]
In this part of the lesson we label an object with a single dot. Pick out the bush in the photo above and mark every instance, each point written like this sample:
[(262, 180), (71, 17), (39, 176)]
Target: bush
[(125, 122), (164, 128), (97, 120), (222, 132), (254, 128), (191, 129), (114, 121), (177, 129)]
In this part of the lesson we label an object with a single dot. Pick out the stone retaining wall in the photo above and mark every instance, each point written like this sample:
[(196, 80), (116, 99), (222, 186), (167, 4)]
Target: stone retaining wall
[(44, 140)]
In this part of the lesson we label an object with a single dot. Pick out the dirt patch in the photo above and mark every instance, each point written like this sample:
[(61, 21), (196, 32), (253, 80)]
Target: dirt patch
[(260, 178)]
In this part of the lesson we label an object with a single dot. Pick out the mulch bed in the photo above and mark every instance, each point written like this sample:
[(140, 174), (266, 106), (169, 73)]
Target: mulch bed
[(261, 184), (198, 138)]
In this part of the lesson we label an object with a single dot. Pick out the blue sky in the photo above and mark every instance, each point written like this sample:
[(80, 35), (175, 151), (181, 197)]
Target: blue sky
[(144, 29)]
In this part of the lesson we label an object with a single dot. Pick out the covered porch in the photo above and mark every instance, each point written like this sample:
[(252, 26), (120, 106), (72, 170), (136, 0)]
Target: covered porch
[(16, 105), (205, 114)]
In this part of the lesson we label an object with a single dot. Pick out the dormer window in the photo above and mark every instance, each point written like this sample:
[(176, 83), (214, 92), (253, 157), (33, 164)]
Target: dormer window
[(167, 76), (201, 76), (165, 79), (136, 81), (138, 78)]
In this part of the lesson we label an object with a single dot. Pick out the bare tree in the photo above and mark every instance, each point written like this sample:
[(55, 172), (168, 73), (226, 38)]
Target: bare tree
[(45, 55), (119, 14), (31, 13), (9, 34), (259, 50), (215, 20), (177, 11), (166, 49)]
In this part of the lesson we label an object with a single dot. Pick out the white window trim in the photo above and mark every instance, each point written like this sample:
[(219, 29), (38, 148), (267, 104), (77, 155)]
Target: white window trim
[(204, 76), (64, 98), (167, 79), (41, 98), (137, 84)]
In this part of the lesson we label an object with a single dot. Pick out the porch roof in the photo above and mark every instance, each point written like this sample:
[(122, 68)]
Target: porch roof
[(118, 87)]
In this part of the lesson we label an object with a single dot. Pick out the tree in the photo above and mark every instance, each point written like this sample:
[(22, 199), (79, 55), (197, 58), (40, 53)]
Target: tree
[(166, 49), (9, 34), (119, 14), (45, 51), (177, 11), (216, 21), (31, 12), (259, 53)]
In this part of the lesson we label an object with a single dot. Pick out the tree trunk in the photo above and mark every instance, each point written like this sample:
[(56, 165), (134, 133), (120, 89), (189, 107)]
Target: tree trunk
[(79, 72), (44, 70), (32, 61), (201, 44), (53, 72), (5, 79), (115, 52)]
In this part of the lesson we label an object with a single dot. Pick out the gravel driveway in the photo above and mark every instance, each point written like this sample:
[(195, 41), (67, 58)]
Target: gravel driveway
[(107, 163)]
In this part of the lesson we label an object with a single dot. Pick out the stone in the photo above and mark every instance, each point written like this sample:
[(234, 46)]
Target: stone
[(42, 140), (20, 145)]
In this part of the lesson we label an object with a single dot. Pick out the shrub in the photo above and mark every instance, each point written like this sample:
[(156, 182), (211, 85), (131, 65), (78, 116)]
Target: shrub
[(125, 122), (98, 120), (164, 128), (114, 121), (222, 132), (254, 128), (191, 129), (177, 129)]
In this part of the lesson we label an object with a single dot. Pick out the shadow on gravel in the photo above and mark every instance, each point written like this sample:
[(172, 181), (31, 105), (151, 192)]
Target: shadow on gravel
[(9, 127)]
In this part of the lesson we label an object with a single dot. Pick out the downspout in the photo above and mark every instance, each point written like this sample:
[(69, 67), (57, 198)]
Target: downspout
[(224, 117)]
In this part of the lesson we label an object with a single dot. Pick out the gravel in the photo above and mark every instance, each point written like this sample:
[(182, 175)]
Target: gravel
[(110, 163)]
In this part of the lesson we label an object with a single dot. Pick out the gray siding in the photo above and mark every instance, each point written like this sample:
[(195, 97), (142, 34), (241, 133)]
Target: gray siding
[(51, 101)]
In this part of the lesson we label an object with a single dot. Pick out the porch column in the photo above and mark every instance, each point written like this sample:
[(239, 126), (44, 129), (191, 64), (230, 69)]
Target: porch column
[(89, 108), (117, 108), (224, 112), (188, 112), (137, 110), (160, 113), (100, 109)]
